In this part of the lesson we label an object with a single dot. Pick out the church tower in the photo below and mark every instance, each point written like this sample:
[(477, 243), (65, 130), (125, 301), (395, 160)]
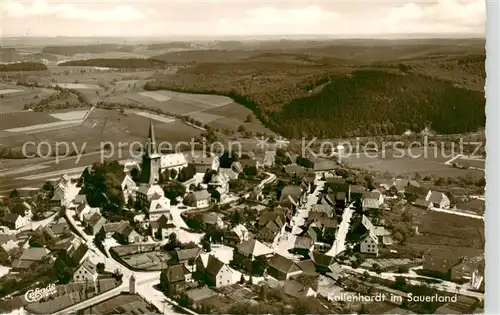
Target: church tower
[(151, 160)]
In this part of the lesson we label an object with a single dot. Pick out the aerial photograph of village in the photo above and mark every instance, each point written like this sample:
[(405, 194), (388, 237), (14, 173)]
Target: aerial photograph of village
[(242, 158)]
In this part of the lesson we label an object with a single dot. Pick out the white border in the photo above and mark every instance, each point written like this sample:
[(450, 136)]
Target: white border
[(492, 222)]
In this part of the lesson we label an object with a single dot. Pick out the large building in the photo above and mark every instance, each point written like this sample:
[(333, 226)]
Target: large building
[(151, 160)]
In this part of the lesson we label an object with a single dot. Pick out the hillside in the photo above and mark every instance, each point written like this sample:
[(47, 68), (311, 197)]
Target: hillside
[(128, 63), (94, 48), (335, 99), (23, 66)]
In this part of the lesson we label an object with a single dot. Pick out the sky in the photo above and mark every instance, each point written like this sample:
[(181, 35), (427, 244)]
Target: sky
[(163, 18)]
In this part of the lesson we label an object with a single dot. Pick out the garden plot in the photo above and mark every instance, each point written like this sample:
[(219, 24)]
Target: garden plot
[(71, 115), (158, 96), (203, 117)]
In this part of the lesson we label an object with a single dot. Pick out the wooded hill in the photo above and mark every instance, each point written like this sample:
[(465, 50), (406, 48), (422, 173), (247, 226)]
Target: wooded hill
[(126, 63), (23, 66)]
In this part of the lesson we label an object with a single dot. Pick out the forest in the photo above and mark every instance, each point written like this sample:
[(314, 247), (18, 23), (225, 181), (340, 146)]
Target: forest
[(22, 66), (129, 63), (95, 49)]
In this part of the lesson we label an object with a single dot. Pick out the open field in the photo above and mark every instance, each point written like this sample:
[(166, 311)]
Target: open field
[(15, 101), (447, 232), (408, 164), (78, 86), (24, 119), (475, 163)]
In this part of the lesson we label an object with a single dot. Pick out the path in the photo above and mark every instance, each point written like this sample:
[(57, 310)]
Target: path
[(457, 212), (338, 245)]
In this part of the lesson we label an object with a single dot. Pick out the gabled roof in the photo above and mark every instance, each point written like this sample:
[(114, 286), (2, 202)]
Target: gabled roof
[(422, 203), (11, 218), (357, 189), (367, 223), (89, 266), (187, 254), (211, 218), (283, 264), (175, 273), (295, 289), (94, 219), (302, 242), (321, 259), (307, 267), (254, 247), (375, 194), (293, 191), (322, 208), (370, 234), (34, 253), (214, 265), (201, 195), (437, 197)]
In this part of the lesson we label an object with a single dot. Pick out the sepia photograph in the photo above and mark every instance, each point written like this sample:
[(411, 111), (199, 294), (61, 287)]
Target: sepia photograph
[(244, 157)]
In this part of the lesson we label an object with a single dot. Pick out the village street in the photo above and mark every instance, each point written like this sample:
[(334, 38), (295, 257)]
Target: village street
[(339, 245)]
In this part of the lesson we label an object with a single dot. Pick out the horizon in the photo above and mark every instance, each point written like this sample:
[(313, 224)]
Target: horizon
[(233, 18)]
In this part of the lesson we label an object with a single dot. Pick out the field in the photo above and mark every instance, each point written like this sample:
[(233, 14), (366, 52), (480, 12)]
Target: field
[(18, 96), (122, 304), (461, 236), (414, 161), (473, 163)]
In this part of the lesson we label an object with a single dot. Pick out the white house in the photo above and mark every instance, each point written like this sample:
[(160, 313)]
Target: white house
[(129, 187), (175, 161), (87, 271), (199, 199), (218, 273), (159, 205), (372, 200), (14, 221), (369, 244), (242, 232), (438, 199), (145, 192)]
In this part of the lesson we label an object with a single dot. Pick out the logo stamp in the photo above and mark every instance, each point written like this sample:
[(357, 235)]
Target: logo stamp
[(37, 294)]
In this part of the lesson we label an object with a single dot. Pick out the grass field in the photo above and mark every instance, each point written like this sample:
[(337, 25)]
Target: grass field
[(476, 163), (408, 165), (450, 233), (25, 118), (14, 102)]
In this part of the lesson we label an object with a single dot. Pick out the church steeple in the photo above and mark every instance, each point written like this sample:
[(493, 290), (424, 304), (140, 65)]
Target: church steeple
[(151, 159), (151, 142)]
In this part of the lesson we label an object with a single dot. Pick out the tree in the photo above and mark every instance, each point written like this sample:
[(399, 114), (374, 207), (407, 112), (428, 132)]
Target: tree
[(242, 279), (100, 268), (236, 217), (14, 194), (249, 119), (185, 301), (400, 282), (377, 268), (63, 272), (241, 128), (263, 293), (259, 266), (206, 246)]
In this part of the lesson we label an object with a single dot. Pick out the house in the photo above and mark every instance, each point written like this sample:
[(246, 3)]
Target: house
[(162, 226), (413, 193), (214, 219), (80, 199), (94, 222), (372, 200), (328, 228), (219, 181), (297, 290), (438, 262), (86, 272), (145, 193), (325, 209), (129, 187), (293, 195), (203, 163), (242, 232), (198, 199), (357, 192), (369, 243), (438, 199), (381, 233), (218, 274), (24, 209), (302, 244), (248, 251), (321, 261), (271, 224), (282, 268), (422, 203), (322, 165), (187, 257), (294, 170), (13, 221), (336, 271), (130, 165), (339, 192), (126, 234), (172, 161), (159, 205), (175, 278), (308, 267), (30, 256), (468, 270)]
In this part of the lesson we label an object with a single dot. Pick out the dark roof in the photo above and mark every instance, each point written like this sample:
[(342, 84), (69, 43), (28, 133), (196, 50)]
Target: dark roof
[(293, 191), (302, 242), (294, 169), (283, 264), (422, 203), (187, 254), (271, 216), (10, 218), (307, 267), (214, 265), (34, 253), (340, 195), (328, 223), (357, 189), (294, 289), (372, 194), (321, 259), (440, 261), (175, 273), (253, 247), (94, 219)]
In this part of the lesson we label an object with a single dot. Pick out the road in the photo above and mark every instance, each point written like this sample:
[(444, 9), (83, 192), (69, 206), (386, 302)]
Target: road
[(338, 245), (458, 212), (444, 286)]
